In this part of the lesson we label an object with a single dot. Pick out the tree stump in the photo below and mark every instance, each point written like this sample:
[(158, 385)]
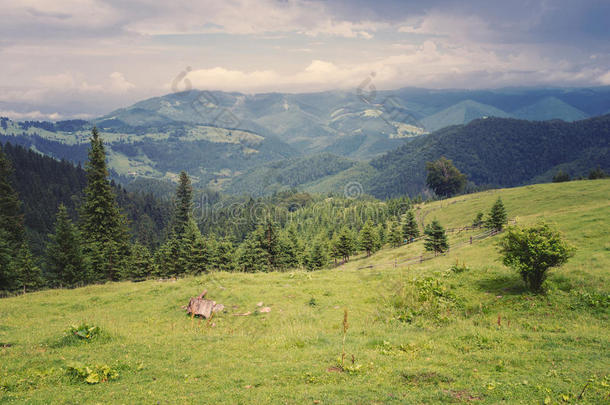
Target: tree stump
[(202, 307)]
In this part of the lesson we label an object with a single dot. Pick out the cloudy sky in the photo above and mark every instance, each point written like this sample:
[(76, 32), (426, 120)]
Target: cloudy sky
[(81, 58)]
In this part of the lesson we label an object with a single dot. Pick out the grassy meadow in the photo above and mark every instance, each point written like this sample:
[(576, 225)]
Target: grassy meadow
[(432, 332)]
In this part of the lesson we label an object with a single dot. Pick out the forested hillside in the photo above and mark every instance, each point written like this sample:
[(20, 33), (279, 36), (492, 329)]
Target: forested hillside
[(44, 183), (497, 152)]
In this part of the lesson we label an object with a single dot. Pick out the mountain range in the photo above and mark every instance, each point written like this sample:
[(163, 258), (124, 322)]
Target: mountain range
[(264, 142)]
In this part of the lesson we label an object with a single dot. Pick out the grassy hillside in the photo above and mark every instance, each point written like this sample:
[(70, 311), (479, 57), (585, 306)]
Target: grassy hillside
[(432, 340)]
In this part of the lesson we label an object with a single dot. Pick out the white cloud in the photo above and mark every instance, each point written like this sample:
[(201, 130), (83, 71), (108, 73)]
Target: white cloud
[(245, 17), (605, 79), (119, 84), (434, 63), (30, 115)]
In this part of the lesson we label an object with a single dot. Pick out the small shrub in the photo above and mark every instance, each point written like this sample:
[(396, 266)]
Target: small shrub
[(532, 251), (91, 374)]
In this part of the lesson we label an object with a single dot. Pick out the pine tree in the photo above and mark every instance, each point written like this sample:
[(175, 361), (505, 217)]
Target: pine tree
[(251, 257), (184, 204), (140, 263), (497, 216), (7, 277), (104, 228), (11, 217), (368, 240), (64, 257), (436, 239), (192, 250), (343, 246), (288, 257), (28, 273), (225, 252), (318, 255), (268, 240), (381, 238), (410, 230), (11, 224), (395, 237)]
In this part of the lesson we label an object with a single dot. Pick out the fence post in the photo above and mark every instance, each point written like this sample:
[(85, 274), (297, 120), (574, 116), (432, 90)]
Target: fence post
[(471, 240), (421, 258), (394, 263)]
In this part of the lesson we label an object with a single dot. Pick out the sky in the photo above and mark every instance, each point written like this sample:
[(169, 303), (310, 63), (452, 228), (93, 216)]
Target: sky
[(62, 59)]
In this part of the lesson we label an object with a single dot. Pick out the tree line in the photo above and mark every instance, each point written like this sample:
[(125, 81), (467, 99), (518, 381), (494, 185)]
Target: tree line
[(286, 230)]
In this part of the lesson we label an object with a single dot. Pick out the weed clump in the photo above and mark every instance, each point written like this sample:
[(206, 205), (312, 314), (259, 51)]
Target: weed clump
[(425, 299), (91, 374), (82, 333)]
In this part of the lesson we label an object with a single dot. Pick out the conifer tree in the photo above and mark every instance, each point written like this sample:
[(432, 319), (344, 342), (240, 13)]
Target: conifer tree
[(104, 228), (64, 257), (192, 249), (410, 230), (381, 235), (29, 274), (11, 217), (251, 256), (497, 216), (268, 240), (11, 226), (368, 239), (344, 245), (318, 254), (436, 239), (140, 263), (395, 236), (225, 252), (7, 277), (184, 204)]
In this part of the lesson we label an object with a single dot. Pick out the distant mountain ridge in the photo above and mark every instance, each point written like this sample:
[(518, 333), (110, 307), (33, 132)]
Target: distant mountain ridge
[(218, 136)]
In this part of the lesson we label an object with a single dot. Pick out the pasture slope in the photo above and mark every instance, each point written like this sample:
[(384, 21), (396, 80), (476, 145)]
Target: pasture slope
[(421, 333)]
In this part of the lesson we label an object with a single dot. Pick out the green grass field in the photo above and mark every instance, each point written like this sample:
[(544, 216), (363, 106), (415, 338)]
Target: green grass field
[(418, 334)]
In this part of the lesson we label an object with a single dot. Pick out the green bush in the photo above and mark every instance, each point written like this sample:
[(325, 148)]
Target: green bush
[(532, 251)]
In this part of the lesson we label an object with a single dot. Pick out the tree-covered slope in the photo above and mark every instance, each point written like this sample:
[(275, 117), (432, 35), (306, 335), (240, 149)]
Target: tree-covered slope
[(495, 151), (44, 183), (289, 173)]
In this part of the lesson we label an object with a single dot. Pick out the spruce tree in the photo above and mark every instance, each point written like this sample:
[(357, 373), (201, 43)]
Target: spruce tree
[(368, 239), (11, 224), (436, 239), (192, 249), (140, 263), (410, 230), (29, 274), (225, 252), (104, 228), (184, 204), (268, 240), (497, 216), (318, 254), (251, 256), (64, 257), (395, 236), (11, 217), (7, 277), (347, 244)]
